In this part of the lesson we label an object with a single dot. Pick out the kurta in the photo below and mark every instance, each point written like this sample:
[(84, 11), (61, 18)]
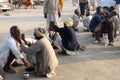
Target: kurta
[(46, 60), (51, 8), (9, 44)]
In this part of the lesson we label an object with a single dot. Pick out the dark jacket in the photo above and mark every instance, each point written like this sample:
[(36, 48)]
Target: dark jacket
[(95, 21), (117, 1), (69, 40)]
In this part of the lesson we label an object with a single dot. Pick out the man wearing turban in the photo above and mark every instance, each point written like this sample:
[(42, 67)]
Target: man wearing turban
[(46, 60)]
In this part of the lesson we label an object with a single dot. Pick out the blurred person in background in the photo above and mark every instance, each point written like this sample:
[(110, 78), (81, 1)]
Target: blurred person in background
[(32, 3), (118, 7), (116, 21), (82, 5), (86, 21), (93, 4), (108, 27), (61, 4), (74, 2), (95, 23), (52, 12), (77, 17)]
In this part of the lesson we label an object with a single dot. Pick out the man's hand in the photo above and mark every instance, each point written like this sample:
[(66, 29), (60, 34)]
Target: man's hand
[(26, 63), (59, 14), (45, 15), (23, 36), (19, 40)]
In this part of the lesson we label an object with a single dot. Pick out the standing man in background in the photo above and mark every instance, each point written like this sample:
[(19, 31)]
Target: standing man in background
[(118, 7), (93, 4), (51, 12), (74, 2), (82, 4), (61, 3)]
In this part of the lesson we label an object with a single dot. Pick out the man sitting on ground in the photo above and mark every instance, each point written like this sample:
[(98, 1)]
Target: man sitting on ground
[(86, 21), (45, 59), (9, 50), (77, 17), (108, 27), (95, 24), (68, 36)]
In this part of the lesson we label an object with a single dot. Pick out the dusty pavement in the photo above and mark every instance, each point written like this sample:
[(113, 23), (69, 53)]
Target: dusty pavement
[(97, 62)]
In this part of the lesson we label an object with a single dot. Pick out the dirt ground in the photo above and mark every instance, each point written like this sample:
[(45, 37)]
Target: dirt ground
[(97, 62)]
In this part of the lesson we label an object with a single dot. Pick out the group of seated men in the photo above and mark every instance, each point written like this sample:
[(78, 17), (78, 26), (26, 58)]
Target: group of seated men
[(40, 52), (105, 20)]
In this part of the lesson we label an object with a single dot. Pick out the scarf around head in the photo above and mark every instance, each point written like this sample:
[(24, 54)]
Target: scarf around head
[(40, 32)]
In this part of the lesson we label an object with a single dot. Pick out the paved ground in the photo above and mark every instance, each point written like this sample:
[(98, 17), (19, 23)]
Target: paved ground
[(97, 62)]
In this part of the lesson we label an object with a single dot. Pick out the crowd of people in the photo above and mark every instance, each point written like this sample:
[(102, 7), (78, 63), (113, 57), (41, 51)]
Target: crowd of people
[(40, 52), (105, 20)]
